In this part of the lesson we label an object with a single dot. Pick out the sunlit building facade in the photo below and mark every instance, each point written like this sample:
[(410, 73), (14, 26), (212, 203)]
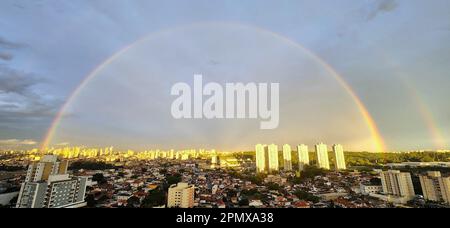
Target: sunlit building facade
[(260, 158), (303, 156), (435, 187), (397, 183), (273, 158), (287, 157), (181, 195), (322, 156), (47, 185), (339, 158)]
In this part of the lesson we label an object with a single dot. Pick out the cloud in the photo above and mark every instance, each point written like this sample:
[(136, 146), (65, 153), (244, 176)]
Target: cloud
[(381, 6), (13, 81), (9, 45), (6, 56), (19, 101), (25, 109), (17, 142)]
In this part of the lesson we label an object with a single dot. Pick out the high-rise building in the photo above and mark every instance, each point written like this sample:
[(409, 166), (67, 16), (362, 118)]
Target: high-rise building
[(47, 185), (214, 159), (397, 183), (48, 165), (260, 158), (181, 195), (322, 156), (339, 159), (303, 156), (273, 158), (287, 157), (435, 187), (266, 158)]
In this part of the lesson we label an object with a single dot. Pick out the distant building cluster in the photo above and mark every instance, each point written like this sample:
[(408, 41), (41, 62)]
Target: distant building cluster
[(210, 178), (397, 187), (109, 154), (267, 157)]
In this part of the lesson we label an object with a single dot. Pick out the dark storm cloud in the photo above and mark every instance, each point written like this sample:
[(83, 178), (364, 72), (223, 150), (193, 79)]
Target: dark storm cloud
[(13, 81), (381, 6), (18, 100)]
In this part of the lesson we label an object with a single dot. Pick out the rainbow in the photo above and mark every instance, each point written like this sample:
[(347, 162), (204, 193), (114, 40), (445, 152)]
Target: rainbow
[(423, 109), (427, 116), (372, 126)]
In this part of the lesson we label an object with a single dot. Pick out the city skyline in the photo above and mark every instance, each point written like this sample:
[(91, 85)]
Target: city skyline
[(273, 177), (370, 75)]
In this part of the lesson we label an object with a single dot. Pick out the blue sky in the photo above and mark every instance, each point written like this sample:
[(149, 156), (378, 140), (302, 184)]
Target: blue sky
[(382, 48)]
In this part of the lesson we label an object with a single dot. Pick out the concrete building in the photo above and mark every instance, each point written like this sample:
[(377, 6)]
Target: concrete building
[(48, 186), (287, 157), (260, 158), (48, 165), (435, 187), (181, 195), (303, 156), (214, 159), (322, 156), (273, 158), (397, 183), (266, 158), (367, 188), (339, 159)]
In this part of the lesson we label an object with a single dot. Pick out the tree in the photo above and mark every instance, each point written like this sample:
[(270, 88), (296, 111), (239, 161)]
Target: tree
[(273, 186), (231, 193), (155, 197), (99, 178), (173, 179), (258, 179), (244, 202), (302, 195), (90, 200), (133, 202), (90, 165), (163, 171)]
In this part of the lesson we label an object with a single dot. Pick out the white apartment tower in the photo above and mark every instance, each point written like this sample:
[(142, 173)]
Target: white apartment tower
[(435, 187), (322, 156), (287, 157), (260, 158), (47, 185), (273, 158), (214, 159), (303, 156), (397, 183), (339, 159), (181, 195)]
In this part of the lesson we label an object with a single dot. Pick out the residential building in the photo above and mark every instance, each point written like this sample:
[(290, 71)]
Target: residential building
[(397, 183), (287, 157), (322, 156), (181, 195), (303, 156), (48, 186), (435, 187), (339, 159)]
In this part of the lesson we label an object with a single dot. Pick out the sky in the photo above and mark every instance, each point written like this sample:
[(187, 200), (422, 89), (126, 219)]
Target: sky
[(393, 53)]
